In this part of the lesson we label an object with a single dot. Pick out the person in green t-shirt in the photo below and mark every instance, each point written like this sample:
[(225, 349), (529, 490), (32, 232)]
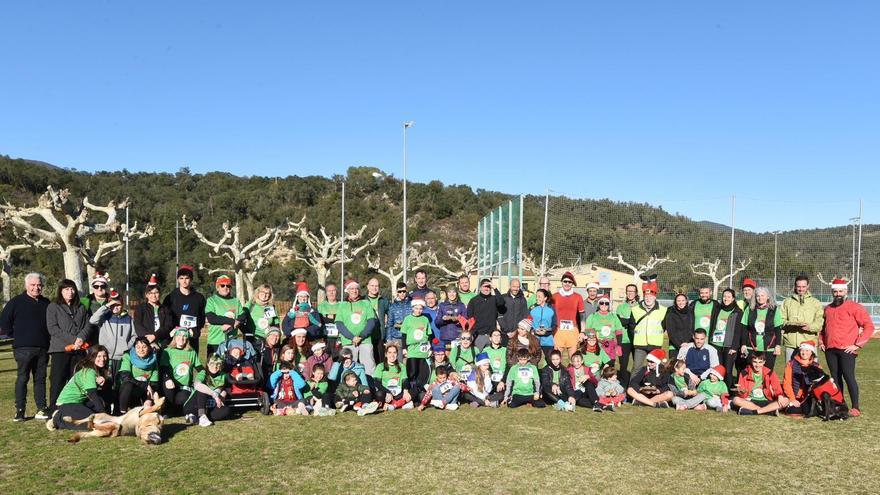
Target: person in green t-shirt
[(224, 312), (328, 309), (179, 370), (138, 376), (523, 383), (758, 389), (714, 389), (464, 289), (415, 334), (261, 312), (81, 396), (762, 328), (624, 311), (392, 382), (356, 321)]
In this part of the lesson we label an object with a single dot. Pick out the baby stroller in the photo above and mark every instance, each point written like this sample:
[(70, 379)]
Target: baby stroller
[(244, 376)]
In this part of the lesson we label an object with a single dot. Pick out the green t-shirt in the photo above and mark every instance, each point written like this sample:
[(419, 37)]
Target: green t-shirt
[(718, 334), (463, 360), (579, 374), (137, 373), (321, 387), (709, 388), (76, 390), (757, 392), (525, 379), (184, 365), (596, 361), (215, 382), (354, 315), (391, 378), (761, 324), (262, 317), (703, 315), (497, 361), (466, 297), (328, 309), (624, 311), (680, 382), (418, 336), (606, 326), (221, 306)]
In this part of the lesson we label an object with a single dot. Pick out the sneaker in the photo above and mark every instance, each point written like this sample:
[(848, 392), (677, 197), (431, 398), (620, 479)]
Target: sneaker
[(408, 405), (493, 403), (597, 408), (664, 405), (190, 419), (746, 412), (437, 403), (19, 416), (559, 406), (204, 421), (390, 407), (608, 407), (569, 407), (452, 407), (854, 413), (368, 408), (41, 414)]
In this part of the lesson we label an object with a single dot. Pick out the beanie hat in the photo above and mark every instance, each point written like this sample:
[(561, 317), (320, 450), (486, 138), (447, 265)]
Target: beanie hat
[(317, 346), (272, 330), (593, 285), (482, 358), (302, 289), (568, 276), (352, 284), (417, 302), (235, 344), (838, 284), (747, 282), (718, 371), (525, 323), (809, 344), (438, 346), (185, 270), (114, 294)]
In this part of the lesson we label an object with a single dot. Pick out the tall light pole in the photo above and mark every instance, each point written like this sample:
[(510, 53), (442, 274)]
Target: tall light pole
[(127, 230), (775, 259), (406, 125), (342, 242)]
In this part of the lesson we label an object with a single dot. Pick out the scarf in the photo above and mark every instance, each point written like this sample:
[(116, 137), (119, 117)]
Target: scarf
[(146, 363), (566, 293)]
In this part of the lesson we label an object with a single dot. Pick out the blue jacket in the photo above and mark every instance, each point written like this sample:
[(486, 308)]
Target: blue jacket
[(449, 331), (544, 316), (299, 383), (432, 317), (337, 371), (397, 311)]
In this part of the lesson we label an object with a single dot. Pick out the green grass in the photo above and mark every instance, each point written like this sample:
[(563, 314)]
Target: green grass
[(483, 451)]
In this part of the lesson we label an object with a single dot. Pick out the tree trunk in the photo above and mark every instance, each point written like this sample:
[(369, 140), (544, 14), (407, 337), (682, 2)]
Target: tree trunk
[(249, 285), (239, 285), (322, 274), (90, 272), (5, 280), (73, 269)]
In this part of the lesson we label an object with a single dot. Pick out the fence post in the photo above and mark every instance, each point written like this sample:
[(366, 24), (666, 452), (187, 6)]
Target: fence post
[(732, 237), (544, 242), (859, 260)]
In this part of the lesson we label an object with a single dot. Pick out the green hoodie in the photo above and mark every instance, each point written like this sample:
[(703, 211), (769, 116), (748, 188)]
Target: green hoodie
[(354, 315), (221, 306)]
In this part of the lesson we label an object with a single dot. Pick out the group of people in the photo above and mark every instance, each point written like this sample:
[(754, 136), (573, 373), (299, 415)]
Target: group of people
[(422, 349)]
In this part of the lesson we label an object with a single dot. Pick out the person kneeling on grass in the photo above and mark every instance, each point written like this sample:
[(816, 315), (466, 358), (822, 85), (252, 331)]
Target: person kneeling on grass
[(480, 389), (80, 398), (610, 391), (443, 392), (354, 395), (556, 384), (392, 382), (684, 389), (289, 390), (523, 382), (649, 385), (759, 390), (138, 376), (714, 389), (795, 383), (209, 403)]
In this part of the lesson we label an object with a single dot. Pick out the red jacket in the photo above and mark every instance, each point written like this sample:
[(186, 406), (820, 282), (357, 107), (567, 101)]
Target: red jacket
[(772, 388), (846, 325)]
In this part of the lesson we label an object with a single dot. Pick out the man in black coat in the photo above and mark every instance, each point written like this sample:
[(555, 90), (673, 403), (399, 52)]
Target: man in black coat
[(484, 308)]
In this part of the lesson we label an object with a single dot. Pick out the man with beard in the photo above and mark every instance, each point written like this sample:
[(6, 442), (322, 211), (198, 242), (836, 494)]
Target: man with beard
[(802, 317), (848, 327)]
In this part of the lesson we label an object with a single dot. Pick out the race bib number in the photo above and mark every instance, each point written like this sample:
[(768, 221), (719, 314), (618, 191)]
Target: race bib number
[(445, 387), (525, 375), (356, 318), (496, 377), (394, 386), (759, 327), (269, 313), (718, 334), (419, 334), (156, 323), (566, 325), (704, 322), (466, 369), (187, 321), (605, 332), (331, 329), (424, 348)]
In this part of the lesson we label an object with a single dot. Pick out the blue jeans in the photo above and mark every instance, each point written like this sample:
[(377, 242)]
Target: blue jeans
[(450, 397)]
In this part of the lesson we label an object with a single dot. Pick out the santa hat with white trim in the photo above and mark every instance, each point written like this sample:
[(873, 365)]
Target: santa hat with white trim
[(658, 357), (352, 284), (302, 289), (718, 371), (298, 331), (809, 345), (417, 301), (593, 285), (839, 284)]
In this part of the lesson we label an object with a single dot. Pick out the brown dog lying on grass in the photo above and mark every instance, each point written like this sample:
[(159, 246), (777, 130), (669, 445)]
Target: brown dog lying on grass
[(143, 422)]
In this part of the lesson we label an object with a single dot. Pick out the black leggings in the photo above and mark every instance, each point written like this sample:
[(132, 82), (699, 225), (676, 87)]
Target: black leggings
[(199, 402), (587, 398), (469, 397), (63, 364), (74, 412), (419, 372), (727, 360), (626, 351), (175, 398), (521, 400), (842, 366), (133, 394)]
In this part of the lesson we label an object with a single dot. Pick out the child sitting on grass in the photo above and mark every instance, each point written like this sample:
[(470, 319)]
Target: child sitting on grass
[(319, 401), (288, 389), (685, 395), (352, 394), (610, 391), (583, 383), (759, 391), (523, 384), (714, 389), (649, 385), (443, 392)]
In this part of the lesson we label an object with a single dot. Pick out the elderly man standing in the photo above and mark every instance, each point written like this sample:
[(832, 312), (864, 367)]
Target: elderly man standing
[(356, 321), (380, 307), (847, 329), (24, 319), (802, 317)]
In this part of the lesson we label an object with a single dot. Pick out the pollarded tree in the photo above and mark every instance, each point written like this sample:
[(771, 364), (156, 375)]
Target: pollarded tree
[(93, 258), (710, 269), (640, 269)]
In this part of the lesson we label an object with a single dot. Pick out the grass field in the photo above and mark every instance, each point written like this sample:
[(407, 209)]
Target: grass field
[(478, 451)]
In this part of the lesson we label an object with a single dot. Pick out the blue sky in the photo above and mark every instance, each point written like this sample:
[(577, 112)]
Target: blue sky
[(674, 103)]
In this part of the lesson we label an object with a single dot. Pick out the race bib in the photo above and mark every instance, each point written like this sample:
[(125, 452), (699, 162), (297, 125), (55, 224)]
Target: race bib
[(566, 325), (704, 322), (445, 387), (496, 377), (181, 369), (424, 348), (466, 369), (759, 327), (187, 321), (394, 386), (595, 368), (718, 334), (356, 318), (331, 329), (419, 334), (605, 332), (263, 323), (156, 323), (269, 312), (525, 375)]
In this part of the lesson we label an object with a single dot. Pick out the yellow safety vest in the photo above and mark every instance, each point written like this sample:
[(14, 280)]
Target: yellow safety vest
[(649, 330)]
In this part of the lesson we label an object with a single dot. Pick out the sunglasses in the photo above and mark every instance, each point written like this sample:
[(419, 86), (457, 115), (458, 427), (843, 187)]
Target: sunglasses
[(466, 339), (99, 286), (603, 304), (225, 286), (401, 291)]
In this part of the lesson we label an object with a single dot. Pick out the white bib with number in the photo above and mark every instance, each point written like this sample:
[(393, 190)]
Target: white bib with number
[(331, 329), (525, 375), (445, 387), (187, 321), (269, 312), (496, 377), (566, 325), (424, 348)]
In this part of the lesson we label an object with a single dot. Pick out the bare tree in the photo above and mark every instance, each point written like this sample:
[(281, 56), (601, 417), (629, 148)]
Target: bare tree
[(640, 269), (6, 252), (394, 272), (532, 265), (322, 252), (92, 258), (58, 222), (246, 258), (710, 269), (829, 284), (465, 259)]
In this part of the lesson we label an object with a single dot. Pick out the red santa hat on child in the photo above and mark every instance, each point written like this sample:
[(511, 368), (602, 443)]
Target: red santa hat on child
[(302, 289), (153, 280), (718, 371), (838, 284), (658, 357), (809, 344)]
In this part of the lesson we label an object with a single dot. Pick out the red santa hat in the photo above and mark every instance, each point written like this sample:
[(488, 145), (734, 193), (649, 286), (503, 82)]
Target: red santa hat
[(809, 344), (658, 357), (718, 371), (302, 289), (593, 285), (318, 345), (417, 301), (838, 284), (747, 282), (351, 284), (650, 285), (604, 297), (153, 280), (569, 276)]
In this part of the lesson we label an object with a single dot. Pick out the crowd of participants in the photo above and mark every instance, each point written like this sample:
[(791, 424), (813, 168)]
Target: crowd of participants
[(359, 351)]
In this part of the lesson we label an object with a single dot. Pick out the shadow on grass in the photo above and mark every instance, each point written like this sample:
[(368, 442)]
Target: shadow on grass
[(169, 430)]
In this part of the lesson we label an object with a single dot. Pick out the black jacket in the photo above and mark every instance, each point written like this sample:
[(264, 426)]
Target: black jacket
[(24, 319), (145, 325), (679, 325), (190, 305), (485, 310), (546, 374), (517, 309)]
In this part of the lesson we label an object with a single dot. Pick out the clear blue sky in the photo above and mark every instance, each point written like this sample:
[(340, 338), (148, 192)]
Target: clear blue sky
[(673, 103)]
